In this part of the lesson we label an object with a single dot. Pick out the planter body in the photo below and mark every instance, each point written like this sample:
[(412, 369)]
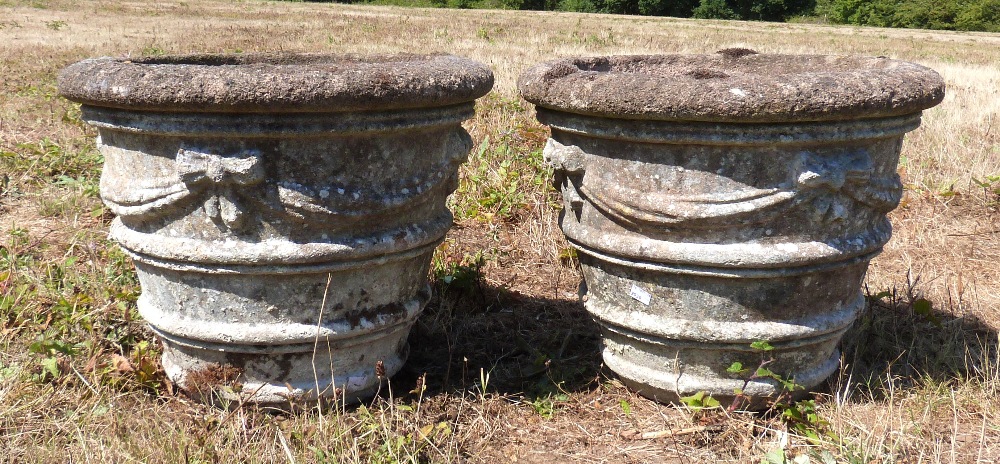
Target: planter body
[(703, 226), (282, 239)]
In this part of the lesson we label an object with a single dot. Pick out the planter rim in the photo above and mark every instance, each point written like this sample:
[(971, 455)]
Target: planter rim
[(275, 82), (733, 85)]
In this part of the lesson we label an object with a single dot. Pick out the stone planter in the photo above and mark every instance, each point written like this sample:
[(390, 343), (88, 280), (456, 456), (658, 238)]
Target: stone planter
[(718, 200), (281, 210)]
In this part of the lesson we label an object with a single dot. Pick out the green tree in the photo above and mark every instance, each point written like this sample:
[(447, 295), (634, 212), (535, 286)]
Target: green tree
[(541, 5), (926, 14), (582, 6), (630, 7), (714, 9), (983, 15), (675, 8), (966, 15), (772, 10), (863, 12), (759, 10)]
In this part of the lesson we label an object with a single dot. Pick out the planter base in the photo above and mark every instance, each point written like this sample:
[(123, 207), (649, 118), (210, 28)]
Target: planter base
[(333, 374), (277, 345), (673, 331)]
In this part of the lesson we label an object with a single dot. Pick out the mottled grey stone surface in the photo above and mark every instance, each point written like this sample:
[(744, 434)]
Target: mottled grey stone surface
[(722, 199), (733, 85), (281, 209), (268, 83)]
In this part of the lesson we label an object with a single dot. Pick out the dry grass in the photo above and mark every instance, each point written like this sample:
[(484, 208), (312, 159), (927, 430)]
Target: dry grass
[(78, 384)]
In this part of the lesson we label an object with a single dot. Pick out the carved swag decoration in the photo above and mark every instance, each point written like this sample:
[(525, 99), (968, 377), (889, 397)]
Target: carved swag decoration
[(230, 186), (833, 186)]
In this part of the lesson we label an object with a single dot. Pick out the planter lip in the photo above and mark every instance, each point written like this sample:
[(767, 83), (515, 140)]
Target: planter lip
[(275, 82), (733, 85)]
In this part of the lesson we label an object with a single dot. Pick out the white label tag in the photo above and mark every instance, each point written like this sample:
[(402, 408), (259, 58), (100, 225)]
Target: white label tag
[(640, 295)]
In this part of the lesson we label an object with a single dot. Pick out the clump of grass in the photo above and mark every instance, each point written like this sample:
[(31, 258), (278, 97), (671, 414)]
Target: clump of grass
[(76, 165), (506, 175)]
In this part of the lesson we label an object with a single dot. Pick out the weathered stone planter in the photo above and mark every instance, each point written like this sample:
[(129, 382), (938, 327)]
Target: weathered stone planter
[(281, 209), (718, 200)]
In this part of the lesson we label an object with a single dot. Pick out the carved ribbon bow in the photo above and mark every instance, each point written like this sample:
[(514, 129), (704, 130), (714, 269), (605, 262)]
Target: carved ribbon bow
[(222, 177)]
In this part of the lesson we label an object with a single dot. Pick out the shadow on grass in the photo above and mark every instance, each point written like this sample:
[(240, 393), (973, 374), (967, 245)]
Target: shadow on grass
[(471, 335), (902, 340), (539, 346)]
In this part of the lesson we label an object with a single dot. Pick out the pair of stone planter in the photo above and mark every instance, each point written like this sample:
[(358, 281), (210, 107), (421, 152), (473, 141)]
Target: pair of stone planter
[(282, 210)]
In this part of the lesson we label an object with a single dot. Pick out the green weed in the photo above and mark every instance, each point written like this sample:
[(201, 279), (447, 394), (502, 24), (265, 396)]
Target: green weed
[(49, 161), (55, 25), (548, 405), (502, 180), (700, 401), (385, 435), (990, 186), (461, 275)]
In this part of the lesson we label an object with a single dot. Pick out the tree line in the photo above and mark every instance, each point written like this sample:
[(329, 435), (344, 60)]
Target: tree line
[(961, 15)]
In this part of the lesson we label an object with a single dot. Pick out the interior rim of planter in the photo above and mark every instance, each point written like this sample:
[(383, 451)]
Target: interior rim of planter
[(719, 65), (280, 59)]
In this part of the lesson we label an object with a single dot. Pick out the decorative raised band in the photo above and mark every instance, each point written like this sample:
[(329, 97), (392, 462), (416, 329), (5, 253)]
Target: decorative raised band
[(657, 329), (251, 125), (729, 134), (280, 256), (278, 337), (734, 260)]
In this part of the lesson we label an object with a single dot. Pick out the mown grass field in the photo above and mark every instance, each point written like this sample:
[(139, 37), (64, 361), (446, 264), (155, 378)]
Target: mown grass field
[(505, 363)]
